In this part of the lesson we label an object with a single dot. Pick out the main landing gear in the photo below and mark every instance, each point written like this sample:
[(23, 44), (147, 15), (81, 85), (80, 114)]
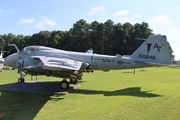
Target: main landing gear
[(64, 84)]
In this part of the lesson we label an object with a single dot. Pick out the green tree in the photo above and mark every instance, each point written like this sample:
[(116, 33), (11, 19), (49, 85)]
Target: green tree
[(79, 33)]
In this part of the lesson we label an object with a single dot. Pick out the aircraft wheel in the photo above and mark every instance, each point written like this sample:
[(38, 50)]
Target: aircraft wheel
[(73, 81), (64, 85), (21, 80)]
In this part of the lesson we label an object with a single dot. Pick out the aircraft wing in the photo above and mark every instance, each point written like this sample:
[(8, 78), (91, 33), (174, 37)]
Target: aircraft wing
[(61, 64)]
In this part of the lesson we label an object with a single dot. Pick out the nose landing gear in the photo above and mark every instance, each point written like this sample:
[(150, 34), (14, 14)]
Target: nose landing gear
[(21, 79)]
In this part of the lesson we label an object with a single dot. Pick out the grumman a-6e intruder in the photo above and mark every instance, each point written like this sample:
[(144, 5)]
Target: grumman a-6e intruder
[(40, 60)]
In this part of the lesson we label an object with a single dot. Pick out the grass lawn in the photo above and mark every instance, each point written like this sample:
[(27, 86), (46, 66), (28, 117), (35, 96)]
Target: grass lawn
[(153, 94)]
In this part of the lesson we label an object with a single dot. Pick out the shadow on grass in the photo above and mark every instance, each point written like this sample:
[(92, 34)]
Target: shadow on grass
[(131, 91), (23, 106), (128, 72), (45, 87)]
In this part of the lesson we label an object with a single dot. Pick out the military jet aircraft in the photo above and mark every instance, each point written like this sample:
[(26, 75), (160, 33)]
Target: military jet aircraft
[(41, 60)]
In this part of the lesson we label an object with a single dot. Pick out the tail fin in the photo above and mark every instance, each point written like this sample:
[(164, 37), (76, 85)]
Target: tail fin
[(154, 50)]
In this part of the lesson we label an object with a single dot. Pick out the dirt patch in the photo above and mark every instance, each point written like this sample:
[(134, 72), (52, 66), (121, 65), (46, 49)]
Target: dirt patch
[(2, 115)]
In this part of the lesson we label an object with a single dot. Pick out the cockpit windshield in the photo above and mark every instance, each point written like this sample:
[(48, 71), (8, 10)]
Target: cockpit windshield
[(28, 50)]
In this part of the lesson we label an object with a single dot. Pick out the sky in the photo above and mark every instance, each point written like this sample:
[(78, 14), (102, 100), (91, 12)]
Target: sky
[(27, 17)]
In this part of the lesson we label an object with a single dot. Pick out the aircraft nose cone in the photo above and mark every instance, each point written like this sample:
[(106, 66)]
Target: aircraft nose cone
[(11, 60)]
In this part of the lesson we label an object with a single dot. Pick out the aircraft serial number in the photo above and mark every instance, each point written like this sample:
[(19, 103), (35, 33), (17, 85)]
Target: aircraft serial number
[(144, 56)]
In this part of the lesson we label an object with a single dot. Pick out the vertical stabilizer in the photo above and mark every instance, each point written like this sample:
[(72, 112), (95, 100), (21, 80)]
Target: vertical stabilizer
[(154, 50)]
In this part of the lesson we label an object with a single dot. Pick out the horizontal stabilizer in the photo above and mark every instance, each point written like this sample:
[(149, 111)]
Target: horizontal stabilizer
[(152, 63)]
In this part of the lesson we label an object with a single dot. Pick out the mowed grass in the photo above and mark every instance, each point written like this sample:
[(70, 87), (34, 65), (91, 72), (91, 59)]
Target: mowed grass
[(153, 94)]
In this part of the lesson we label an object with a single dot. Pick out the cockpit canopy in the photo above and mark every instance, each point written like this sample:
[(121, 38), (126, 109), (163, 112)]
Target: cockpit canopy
[(29, 49)]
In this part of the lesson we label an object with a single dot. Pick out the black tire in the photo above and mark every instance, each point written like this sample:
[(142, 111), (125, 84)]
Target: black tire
[(21, 80), (73, 81), (64, 85)]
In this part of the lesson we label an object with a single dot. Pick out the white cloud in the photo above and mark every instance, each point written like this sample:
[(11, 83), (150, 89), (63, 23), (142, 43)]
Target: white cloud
[(178, 8), (136, 15), (26, 21), (97, 9), (121, 13), (44, 22), (161, 24), (0, 10), (161, 19), (48, 22)]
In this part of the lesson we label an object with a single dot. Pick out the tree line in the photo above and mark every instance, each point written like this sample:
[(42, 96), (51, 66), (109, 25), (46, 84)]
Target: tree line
[(104, 38)]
